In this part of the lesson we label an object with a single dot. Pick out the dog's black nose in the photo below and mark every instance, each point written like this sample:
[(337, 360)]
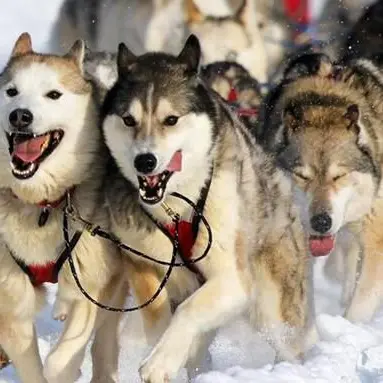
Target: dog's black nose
[(321, 223), (20, 118), (145, 163)]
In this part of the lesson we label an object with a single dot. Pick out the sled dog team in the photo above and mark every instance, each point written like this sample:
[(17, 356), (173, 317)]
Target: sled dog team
[(119, 140)]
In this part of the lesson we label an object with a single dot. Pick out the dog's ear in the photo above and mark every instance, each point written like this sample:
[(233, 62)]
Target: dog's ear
[(23, 45), (77, 53), (125, 59), (247, 16), (364, 140), (309, 64), (191, 54), (192, 13)]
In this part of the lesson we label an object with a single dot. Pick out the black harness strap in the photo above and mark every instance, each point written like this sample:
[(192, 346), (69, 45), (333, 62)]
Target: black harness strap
[(58, 264), (196, 220)]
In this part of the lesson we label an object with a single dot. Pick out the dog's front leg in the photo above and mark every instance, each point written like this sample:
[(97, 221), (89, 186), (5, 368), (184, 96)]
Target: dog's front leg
[(218, 300), (64, 361), (20, 344)]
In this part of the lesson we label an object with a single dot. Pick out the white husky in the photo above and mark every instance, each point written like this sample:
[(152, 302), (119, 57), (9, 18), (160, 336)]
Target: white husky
[(50, 148)]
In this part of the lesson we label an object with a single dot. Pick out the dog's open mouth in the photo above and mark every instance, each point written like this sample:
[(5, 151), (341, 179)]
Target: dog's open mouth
[(28, 151), (152, 188), (321, 245)]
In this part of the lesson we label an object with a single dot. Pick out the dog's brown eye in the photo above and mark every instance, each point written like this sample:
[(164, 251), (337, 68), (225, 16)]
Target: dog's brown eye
[(337, 178), (54, 94), (12, 92), (170, 120), (129, 120)]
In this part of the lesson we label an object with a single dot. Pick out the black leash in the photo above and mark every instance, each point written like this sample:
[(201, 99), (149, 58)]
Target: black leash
[(69, 211), (109, 308), (98, 231)]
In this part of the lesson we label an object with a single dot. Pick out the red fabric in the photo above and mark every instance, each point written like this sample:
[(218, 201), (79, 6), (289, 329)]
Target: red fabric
[(297, 10), (54, 204), (43, 273), (185, 236), (232, 96)]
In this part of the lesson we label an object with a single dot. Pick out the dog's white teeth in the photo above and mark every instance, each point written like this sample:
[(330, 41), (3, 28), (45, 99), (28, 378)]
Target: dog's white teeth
[(145, 183), (25, 172), (160, 193), (142, 192), (163, 176)]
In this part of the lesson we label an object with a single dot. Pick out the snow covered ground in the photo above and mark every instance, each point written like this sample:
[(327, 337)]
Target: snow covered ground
[(346, 353)]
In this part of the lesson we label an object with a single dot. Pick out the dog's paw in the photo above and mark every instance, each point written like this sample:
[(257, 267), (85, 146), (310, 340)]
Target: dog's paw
[(163, 364), (60, 310)]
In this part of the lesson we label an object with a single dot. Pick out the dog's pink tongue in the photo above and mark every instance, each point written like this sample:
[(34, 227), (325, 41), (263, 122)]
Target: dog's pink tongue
[(320, 246), (175, 164), (30, 150)]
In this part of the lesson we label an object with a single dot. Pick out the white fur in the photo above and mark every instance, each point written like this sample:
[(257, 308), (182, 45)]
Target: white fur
[(33, 83)]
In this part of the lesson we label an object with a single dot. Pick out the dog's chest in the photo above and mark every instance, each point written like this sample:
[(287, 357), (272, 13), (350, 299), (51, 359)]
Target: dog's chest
[(24, 237)]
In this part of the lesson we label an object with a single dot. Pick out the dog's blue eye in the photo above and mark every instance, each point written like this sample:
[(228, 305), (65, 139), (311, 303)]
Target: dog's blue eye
[(170, 120), (54, 95), (129, 120), (12, 92)]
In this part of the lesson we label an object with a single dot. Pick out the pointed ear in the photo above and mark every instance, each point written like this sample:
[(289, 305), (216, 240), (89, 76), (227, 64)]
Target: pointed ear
[(364, 141), (23, 45), (77, 53), (192, 13), (191, 54), (125, 59), (246, 15)]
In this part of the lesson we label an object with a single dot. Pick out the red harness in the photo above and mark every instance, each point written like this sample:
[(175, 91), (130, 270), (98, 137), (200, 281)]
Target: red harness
[(47, 273), (246, 112), (185, 236), (40, 274)]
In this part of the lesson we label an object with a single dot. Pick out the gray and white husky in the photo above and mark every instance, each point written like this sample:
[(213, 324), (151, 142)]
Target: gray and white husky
[(168, 132)]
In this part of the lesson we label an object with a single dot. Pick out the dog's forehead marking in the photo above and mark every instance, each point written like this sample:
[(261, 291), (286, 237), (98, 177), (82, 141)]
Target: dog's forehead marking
[(149, 107), (164, 109), (35, 77), (136, 109), (53, 68)]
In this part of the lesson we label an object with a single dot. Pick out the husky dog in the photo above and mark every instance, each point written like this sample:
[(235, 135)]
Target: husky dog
[(235, 84), (51, 148), (325, 128), (234, 38), (258, 259), (161, 25)]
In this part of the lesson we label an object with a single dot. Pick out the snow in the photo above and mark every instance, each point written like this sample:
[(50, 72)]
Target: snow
[(346, 352)]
